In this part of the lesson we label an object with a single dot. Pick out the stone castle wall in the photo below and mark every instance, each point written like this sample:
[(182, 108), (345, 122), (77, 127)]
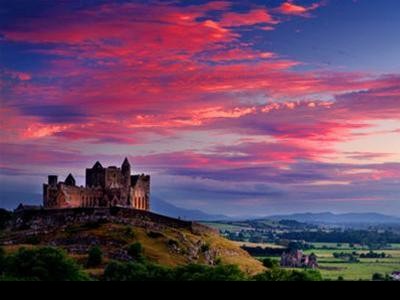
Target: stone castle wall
[(105, 187), (49, 219)]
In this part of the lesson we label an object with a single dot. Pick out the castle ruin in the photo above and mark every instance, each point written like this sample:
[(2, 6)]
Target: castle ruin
[(296, 259), (105, 187)]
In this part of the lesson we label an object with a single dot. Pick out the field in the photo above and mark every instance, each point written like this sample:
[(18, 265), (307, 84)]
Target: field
[(331, 267), (225, 226), (262, 245)]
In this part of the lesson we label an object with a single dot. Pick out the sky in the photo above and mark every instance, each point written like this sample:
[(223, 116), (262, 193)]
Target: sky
[(233, 107)]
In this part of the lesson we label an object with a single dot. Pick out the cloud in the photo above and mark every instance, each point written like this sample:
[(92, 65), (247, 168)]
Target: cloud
[(190, 88), (290, 8), (252, 17)]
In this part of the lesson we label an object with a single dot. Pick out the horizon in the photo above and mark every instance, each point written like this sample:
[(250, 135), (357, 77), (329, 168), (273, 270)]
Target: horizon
[(255, 108)]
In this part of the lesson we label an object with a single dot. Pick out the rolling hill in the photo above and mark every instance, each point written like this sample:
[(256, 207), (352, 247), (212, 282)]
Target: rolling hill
[(166, 241)]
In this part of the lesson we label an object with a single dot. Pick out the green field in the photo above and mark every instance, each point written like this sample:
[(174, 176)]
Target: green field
[(331, 267), (340, 246), (225, 227)]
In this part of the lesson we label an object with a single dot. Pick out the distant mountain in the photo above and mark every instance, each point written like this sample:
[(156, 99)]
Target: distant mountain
[(330, 218), (165, 208)]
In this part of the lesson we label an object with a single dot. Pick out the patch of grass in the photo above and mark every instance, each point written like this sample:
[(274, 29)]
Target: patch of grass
[(262, 245), (230, 253), (225, 227), (332, 268)]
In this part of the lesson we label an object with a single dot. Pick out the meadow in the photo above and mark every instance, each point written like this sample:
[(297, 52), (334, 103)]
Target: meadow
[(332, 268)]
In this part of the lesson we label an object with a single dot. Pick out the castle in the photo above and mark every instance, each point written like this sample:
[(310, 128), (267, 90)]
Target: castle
[(296, 259), (105, 187)]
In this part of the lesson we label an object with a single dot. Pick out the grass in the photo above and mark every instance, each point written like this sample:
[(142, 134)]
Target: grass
[(332, 268), (262, 245), (337, 246), (157, 245), (230, 253), (225, 227)]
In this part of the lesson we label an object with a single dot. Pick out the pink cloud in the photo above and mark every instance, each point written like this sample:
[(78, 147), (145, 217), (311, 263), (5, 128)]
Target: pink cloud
[(290, 8), (254, 16), (165, 71)]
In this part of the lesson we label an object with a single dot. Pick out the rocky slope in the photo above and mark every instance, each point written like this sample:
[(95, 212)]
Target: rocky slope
[(165, 240)]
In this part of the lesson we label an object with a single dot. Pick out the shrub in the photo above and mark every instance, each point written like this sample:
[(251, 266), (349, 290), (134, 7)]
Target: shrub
[(278, 274), (95, 257), (135, 251), (205, 247), (196, 272), (270, 263), (378, 277), (47, 264), (275, 274), (134, 271)]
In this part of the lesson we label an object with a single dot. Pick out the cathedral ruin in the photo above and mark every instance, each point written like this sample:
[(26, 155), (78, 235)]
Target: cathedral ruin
[(105, 187)]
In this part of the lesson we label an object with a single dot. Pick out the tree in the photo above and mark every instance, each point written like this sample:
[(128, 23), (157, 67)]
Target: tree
[(135, 251), (196, 272), (145, 271), (278, 274), (378, 277), (270, 263), (47, 264), (95, 257), (136, 271), (306, 275)]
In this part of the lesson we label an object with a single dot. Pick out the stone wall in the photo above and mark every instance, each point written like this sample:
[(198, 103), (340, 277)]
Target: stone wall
[(49, 219)]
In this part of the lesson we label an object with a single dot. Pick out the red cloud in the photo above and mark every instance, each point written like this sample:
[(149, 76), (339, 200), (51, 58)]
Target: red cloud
[(289, 8), (254, 16), (167, 72)]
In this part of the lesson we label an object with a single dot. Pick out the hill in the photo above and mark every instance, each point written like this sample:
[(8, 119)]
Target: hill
[(339, 219), (165, 240)]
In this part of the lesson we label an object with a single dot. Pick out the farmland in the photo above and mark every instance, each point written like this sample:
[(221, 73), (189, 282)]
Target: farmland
[(342, 252), (333, 268)]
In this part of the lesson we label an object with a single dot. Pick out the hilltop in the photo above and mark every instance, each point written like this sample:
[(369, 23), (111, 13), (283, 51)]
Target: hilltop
[(166, 241)]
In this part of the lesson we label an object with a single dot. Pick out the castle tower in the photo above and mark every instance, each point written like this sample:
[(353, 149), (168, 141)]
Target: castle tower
[(126, 172), (70, 180), (52, 180)]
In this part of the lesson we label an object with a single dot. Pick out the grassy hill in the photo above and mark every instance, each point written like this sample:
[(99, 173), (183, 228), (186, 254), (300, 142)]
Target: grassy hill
[(166, 241)]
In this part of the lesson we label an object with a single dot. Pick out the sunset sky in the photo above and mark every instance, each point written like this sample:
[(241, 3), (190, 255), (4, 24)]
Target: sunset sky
[(233, 107)]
